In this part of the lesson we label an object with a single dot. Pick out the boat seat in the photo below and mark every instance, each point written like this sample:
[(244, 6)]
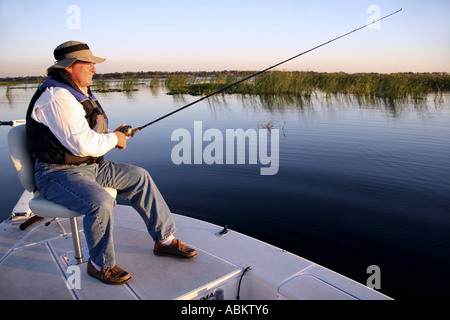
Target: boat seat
[(24, 166)]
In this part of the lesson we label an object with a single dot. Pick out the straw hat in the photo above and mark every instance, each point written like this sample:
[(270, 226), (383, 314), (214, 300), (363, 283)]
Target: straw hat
[(69, 52)]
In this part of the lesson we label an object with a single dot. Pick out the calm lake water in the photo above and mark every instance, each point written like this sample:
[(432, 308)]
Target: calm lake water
[(358, 184)]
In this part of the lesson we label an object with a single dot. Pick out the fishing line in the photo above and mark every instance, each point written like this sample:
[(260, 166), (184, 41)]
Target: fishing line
[(129, 131)]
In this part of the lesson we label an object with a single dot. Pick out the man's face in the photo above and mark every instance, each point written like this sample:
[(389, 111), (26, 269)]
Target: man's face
[(81, 73)]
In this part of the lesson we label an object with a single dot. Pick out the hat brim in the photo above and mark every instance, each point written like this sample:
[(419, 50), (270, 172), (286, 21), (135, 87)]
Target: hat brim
[(64, 63)]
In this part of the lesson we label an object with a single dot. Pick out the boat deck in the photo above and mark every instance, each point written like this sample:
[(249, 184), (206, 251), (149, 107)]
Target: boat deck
[(36, 264)]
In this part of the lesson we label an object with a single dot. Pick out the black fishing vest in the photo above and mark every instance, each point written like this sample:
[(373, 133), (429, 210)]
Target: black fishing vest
[(44, 145)]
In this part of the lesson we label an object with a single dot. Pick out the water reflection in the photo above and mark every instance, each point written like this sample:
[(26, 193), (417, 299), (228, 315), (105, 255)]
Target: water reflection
[(9, 95), (283, 103)]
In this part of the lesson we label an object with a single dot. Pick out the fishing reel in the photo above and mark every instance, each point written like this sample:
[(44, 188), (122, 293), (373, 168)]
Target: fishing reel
[(129, 131)]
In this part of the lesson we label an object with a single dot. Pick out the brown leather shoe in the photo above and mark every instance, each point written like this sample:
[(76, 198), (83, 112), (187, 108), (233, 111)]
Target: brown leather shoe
[(114, 275), (176, 248)]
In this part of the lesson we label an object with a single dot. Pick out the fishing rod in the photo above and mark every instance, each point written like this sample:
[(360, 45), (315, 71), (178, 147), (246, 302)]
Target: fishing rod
[(11, 123), (129, 131)]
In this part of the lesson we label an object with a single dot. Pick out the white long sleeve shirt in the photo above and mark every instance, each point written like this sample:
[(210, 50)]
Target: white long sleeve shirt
[(60, 111)]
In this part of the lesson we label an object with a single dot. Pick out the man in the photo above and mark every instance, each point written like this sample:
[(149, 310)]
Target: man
[(67, 131)]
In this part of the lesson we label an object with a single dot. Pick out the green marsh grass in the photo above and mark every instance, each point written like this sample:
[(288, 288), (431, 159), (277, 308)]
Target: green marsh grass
[(125, 85), (387, 87)]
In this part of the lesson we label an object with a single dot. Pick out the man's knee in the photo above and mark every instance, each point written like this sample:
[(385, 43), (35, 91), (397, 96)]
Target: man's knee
[(103, 201), (140, 174)]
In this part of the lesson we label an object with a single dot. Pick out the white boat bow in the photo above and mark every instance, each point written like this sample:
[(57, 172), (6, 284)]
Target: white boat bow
[(35, 263)]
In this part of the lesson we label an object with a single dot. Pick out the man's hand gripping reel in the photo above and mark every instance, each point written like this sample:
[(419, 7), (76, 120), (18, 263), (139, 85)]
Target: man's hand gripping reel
[(129, 131)]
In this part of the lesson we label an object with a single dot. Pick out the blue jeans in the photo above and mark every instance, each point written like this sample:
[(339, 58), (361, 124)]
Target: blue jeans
[(80, 188)]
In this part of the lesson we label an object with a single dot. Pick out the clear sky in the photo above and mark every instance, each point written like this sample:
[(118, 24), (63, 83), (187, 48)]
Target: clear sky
[(194, 35)]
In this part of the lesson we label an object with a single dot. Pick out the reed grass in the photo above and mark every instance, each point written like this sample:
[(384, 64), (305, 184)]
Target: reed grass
[(177, 84), (128, 85), (304, 84), (125, 85)]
